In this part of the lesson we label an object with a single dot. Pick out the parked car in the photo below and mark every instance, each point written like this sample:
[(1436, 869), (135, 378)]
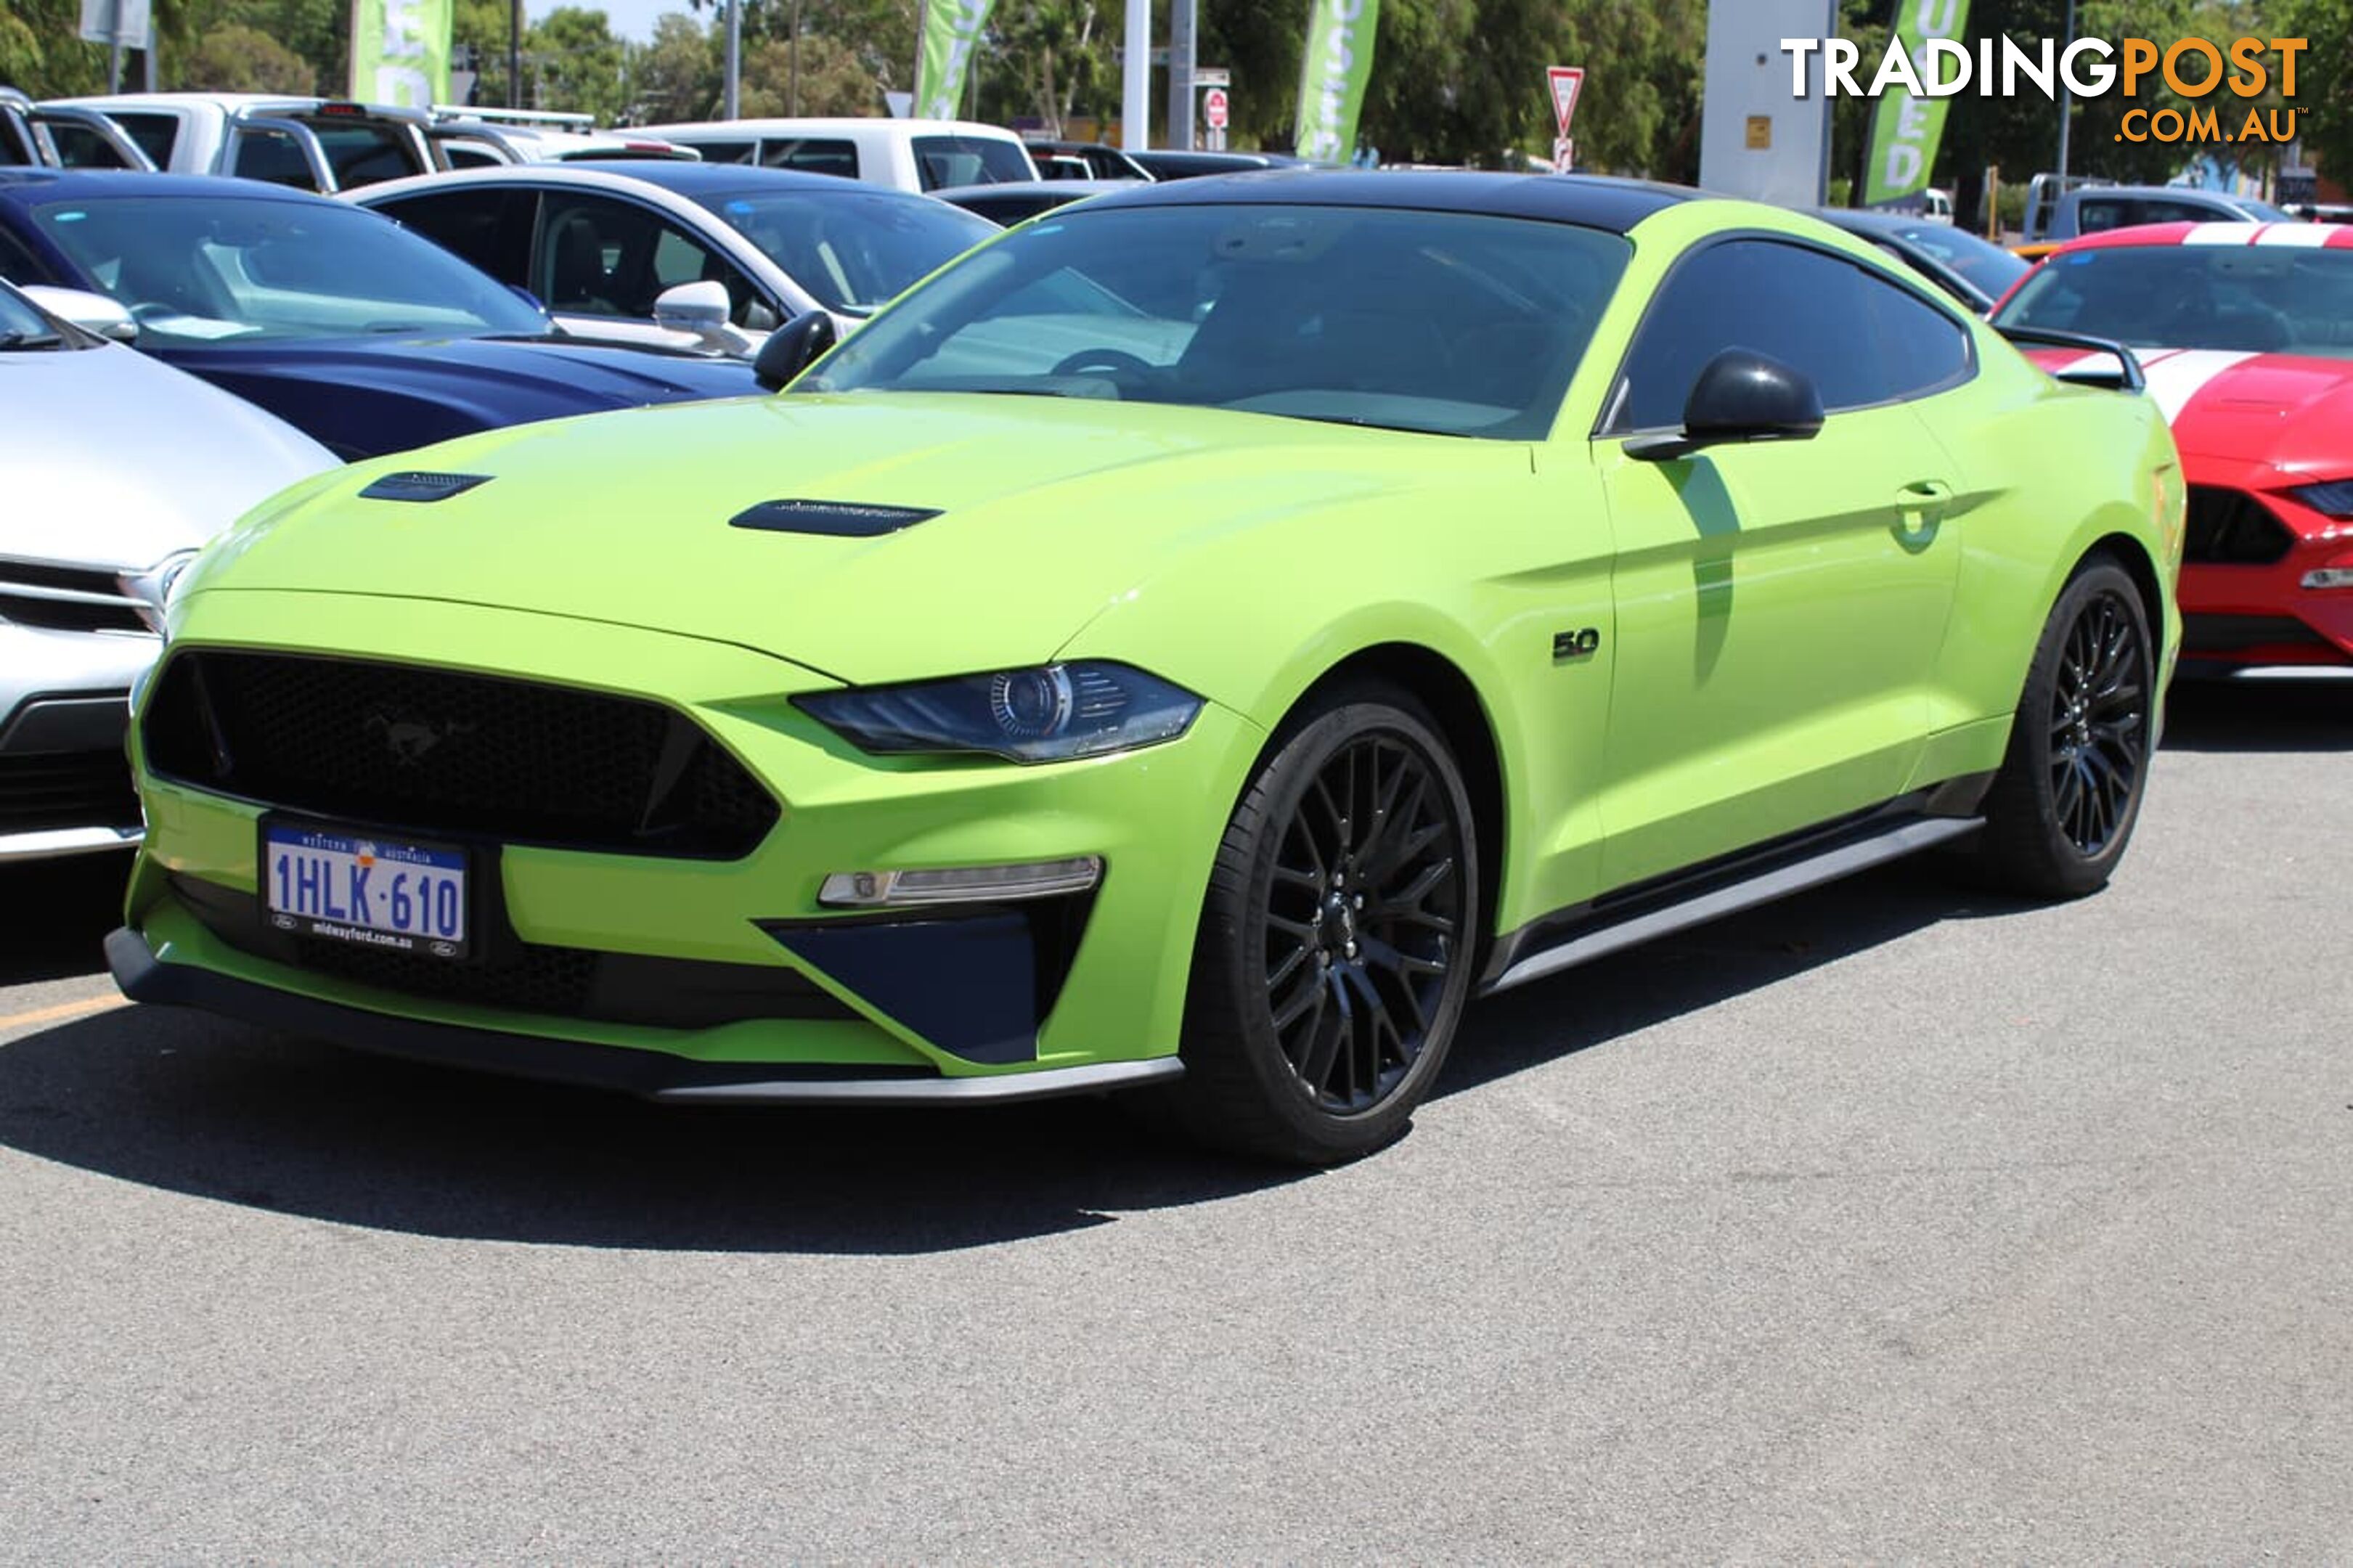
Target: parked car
[(117, 469), (2092, 208), (342, 322), (1974, 271), (904, 154), (1017, 200), (709, 255), (51, 136), (1177, 164), (490, 137), (310, 144), (2246, 333), (1498, 572), (1082, 161)]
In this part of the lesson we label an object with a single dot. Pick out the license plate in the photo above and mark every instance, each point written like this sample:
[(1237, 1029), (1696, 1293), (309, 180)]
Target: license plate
[(385, 893)]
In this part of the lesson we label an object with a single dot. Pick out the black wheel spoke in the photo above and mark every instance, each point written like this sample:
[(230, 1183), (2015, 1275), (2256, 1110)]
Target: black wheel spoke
[(2099, 711), (1367, 908)]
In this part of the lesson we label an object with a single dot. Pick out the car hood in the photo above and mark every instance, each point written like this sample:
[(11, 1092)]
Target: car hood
[(1045, 511), (2292, 411), (114, 460), (474, 383)]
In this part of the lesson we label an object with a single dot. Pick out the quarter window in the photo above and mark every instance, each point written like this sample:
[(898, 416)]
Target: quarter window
[(811, 155), (1861, 339), (477, 224)]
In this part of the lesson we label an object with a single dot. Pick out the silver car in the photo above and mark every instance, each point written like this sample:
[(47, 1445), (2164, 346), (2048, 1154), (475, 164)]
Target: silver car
[(119, 467)]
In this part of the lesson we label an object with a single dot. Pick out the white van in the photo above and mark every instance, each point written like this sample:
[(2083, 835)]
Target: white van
[(904, 154)]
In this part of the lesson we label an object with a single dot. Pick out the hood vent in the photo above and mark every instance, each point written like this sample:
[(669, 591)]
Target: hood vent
[(839, 520), (420, 487)]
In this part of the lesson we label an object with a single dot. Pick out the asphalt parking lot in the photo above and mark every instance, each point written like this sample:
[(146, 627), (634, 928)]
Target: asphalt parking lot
[(1889, 1222)]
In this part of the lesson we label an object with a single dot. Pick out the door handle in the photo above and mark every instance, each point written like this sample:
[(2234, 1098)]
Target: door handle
[(1919, 508)]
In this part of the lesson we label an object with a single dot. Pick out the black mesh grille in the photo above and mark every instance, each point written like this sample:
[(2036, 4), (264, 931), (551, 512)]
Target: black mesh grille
[(71, 789), (2231, 528), (442, 752)]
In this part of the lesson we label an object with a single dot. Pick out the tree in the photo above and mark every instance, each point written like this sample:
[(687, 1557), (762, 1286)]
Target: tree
[(829, 80), (239, 58), (676, 76), (572, 62), (2322, 77)]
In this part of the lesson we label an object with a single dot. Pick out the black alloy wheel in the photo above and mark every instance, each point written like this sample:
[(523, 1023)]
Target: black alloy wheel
[(2099, 724), (1364, 922), (1338, 937), (2061, 808)]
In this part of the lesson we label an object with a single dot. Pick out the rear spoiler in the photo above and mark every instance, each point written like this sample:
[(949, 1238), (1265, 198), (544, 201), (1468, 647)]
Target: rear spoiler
[(2127, 377)]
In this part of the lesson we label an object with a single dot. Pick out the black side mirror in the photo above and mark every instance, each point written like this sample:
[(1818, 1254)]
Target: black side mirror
[(793, 348), (1740, 396)]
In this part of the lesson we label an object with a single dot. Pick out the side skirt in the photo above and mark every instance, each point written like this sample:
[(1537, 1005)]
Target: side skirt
[(1633, 915)]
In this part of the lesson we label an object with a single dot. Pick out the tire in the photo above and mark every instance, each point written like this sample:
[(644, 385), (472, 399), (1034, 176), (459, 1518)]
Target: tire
[(1332, 960), (2061, 809)]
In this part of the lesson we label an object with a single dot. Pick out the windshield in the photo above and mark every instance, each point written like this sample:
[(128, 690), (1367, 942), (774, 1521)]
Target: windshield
[(855, 249), (195, 269), (2250, 299), (943, 162), (1444, 323), (1989, 268)]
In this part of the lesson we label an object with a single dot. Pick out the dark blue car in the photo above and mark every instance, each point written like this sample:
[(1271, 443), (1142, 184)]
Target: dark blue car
[(366, 336)]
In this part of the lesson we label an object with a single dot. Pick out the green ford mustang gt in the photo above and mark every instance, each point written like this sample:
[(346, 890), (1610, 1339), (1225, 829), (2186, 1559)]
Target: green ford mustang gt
[(1192, 644)]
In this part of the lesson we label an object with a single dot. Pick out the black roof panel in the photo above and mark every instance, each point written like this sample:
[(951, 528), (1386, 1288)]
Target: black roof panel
[(1589, 200)]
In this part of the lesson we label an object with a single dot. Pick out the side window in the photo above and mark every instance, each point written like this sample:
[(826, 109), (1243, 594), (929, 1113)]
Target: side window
[(1861, 340), (157, 134), (16, 140), (489, 228), (599, 257), (80, 147), (271, 155), (2095, 216), (810, 155), (723, 152)]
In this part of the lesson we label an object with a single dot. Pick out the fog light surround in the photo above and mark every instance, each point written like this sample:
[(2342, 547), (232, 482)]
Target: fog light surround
[(961, 884), (2329, 577)]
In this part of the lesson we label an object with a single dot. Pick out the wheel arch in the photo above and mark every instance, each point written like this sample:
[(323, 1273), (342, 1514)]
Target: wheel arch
[(2133, 555), (1464, 724)]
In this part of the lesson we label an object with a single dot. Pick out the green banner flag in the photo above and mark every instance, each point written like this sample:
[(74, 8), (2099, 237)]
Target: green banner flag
[(943, 55), (1907, 129), (1332, 78), (400, 51)]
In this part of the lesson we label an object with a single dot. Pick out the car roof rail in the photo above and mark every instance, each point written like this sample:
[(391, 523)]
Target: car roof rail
[(2127, 378)]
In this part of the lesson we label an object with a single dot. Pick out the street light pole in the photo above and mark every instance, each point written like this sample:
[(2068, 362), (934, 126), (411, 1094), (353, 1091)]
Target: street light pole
[(2066, 97), (514, 54), (734, 101), (793, 93), (1135, 78)]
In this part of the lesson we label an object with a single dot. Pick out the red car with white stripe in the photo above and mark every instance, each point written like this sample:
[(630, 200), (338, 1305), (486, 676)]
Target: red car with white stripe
[(2245, 330)]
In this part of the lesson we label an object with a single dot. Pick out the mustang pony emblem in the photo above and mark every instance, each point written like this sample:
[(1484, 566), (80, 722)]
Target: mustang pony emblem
[(409, 739)]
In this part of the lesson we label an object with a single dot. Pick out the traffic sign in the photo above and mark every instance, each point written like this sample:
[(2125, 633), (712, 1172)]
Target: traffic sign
[(1564, 154), (1212, 76), (1567, 81), (1213, 108)]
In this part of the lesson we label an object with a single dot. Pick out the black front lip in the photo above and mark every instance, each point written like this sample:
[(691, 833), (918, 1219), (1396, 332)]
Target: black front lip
[(653, 1075)]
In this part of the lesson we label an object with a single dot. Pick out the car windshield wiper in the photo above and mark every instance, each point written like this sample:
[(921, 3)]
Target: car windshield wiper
[(1363, 424), (30, 339)]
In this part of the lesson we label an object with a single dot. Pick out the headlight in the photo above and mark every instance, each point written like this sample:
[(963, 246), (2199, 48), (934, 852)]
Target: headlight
[(2335, 500), (1042, 715)]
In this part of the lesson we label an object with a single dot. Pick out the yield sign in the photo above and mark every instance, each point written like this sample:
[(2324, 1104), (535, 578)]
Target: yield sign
[(1568, 82)]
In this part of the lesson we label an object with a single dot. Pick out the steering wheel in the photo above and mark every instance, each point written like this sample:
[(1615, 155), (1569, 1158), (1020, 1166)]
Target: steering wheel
[(1118, 362)]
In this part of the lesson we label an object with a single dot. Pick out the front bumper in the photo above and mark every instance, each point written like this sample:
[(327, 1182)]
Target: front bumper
[(654, 1075), (2241, 616), (65, 788), (917, 1001)]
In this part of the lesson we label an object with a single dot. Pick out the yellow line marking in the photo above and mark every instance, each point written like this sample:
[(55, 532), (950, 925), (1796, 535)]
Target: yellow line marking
[(62, 1010)]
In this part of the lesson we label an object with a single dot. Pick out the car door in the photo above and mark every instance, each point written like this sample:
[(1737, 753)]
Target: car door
[(602, 257), (1779, 605), (490, 226)]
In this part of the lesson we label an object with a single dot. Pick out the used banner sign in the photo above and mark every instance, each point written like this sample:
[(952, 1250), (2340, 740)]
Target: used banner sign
[(1908, 126), (1332, 72), (943, 55), (400, 52)]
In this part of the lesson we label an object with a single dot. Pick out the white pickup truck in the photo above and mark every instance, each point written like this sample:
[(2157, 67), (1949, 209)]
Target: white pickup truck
[(313, 143)]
